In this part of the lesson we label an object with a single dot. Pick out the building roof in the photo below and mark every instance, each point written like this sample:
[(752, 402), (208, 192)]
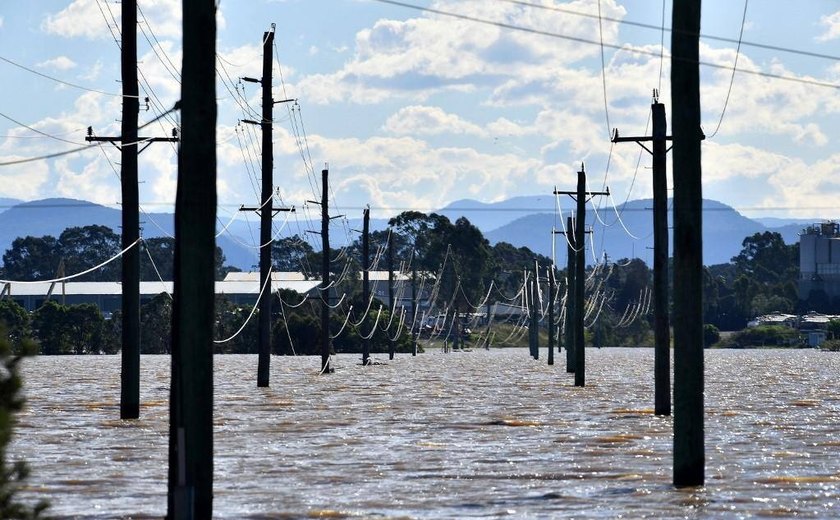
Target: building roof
[(152, 288)]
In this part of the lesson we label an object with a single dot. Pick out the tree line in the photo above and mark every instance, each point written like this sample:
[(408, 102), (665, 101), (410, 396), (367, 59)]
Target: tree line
[(453, 257)]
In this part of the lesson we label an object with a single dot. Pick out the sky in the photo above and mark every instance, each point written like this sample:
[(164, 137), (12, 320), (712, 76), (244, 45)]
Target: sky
[(412, 108)]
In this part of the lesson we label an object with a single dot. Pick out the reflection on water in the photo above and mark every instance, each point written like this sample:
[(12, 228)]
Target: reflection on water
[(460, 435)]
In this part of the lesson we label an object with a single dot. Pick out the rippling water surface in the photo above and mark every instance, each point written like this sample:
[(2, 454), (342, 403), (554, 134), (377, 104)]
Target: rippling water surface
[(479, 434)]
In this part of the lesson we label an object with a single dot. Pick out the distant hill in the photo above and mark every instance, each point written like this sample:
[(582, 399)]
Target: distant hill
[(724, 230), (52, 216), (7, 203), (521, 221)]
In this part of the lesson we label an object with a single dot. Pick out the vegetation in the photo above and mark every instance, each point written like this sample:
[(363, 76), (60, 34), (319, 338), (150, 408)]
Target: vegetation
[(765, 336), (82, 248), (455, 256)]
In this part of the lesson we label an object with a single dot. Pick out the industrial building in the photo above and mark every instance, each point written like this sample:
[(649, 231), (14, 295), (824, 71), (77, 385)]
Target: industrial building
[(819, 260), (239, 288)]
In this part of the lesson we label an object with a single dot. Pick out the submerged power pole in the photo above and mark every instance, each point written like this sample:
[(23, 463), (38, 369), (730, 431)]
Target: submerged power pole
[(661, 327), (569, 332), (265, 209), (366, 281), (689, 452), (391, 303), (551, 315), (581, 196), (414, 324), (129, 141), (325, 271), (190, 482)]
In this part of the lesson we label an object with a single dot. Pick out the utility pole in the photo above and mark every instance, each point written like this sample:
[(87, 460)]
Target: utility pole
[(532, 323), (571, 257), (489, 322), (190, 478), (325, 271), (551, 315), (689, 452), (661, 327), (325, 274), (130, 356), (265, 209), (414, 324), (391, 303), (365, 281), (581, 197)]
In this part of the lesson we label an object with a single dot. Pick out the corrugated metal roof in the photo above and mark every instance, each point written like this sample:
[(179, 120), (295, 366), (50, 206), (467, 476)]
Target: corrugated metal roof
[(154, 288)]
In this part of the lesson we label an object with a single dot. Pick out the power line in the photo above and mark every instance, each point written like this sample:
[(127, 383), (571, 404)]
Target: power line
[(668, 29), (643, 52), (732, 78), (15, 121), (51, 78), (603, 70), (50, 156)]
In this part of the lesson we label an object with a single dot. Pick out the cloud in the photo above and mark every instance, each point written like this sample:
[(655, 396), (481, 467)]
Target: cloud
[(424, 56), (59, 63), (91, 19), (80, 18), (425, 120), (831, 23)]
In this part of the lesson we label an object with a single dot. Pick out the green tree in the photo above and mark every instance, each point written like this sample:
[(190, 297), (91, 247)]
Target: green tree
[(156, 325), (16, 319), (291, 255), (83, 327), (32, 258), (85, 247), (70, 329), (48, 327)]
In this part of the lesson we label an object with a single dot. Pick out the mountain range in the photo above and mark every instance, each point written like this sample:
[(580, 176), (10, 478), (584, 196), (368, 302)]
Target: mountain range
[(624, 231)]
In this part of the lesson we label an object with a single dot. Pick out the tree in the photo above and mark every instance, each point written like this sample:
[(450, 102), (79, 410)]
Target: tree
[(70, 329), (16, 320), (32, 258), (291, 254), (156, 325), (765, 258), (48, 324), (85, 247), (156, 261)]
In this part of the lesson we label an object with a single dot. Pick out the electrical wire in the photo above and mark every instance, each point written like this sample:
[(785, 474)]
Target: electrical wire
[(619, 47), (734, 68)]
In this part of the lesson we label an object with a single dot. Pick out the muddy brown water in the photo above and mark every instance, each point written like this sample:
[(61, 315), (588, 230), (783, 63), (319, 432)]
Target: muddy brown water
[(484, 434)]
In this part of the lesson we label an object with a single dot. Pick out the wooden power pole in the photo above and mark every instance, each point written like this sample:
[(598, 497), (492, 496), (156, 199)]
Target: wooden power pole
[(325, 271), (661, 326), (689, 452), (130, 377), (190, 483), (391, 304), (266, 209), (551, 314), (569, 333), (414, 325), (581, 196), (365, 282), (129, 141)]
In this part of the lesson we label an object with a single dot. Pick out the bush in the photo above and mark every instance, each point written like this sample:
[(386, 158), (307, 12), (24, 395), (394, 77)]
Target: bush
[(711, 335), (766, 336), (832, 345)]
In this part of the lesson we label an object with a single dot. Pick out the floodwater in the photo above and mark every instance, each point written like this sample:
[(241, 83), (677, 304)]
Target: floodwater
[(484, 434)]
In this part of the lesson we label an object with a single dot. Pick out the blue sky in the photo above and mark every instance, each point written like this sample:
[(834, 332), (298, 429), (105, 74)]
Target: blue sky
[(413, 109)]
